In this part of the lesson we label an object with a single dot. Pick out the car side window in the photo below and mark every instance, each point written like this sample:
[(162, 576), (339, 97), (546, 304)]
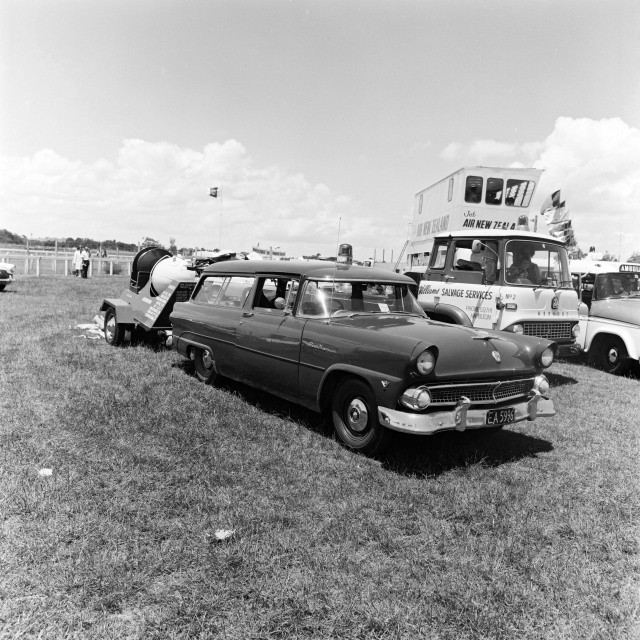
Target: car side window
[(275, 294), (209, 290), (236, 291)]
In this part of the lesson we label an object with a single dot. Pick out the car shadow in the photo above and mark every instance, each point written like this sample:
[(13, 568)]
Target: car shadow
[(431, 456), (558, 380), (411, 455)]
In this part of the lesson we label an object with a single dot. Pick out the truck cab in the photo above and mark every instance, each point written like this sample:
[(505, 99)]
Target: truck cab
[(477, 263), (611, 327)]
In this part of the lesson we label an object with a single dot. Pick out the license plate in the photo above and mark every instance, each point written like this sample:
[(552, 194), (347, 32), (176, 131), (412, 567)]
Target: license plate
[(496, 417)]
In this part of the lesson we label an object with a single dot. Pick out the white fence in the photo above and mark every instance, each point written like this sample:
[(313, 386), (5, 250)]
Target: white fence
[(50, 264)]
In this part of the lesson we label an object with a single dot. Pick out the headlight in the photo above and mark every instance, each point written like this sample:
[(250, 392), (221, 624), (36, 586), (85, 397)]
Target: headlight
[(541, 384), (416, 398), (546, 357), (426, 362), (517, 328), (576, 330)]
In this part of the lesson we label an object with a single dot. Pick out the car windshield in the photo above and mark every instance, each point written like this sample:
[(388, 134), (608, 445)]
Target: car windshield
[(321, 298), (531, 262), (616, 285)]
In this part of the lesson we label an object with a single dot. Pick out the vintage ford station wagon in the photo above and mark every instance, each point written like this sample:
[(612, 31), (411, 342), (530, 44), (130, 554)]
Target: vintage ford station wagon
[(353, 342)]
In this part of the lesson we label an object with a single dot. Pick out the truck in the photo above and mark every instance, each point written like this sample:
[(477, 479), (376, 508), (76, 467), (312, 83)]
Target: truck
[(610, 291), (477, 263), (158, 280)]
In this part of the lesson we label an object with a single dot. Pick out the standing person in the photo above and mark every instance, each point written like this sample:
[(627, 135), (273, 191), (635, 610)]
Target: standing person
[(85, 261), (76, 262)]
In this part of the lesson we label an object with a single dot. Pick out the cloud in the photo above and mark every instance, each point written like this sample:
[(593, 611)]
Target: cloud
[(161, 190), (595, 164)]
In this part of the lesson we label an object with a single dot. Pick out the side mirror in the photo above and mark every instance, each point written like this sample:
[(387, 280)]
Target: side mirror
[(476, 246)]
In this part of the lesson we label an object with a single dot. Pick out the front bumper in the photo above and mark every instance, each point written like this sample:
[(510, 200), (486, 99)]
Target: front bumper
[(461, 417)]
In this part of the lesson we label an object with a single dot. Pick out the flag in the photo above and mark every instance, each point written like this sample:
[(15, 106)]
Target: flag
[(213, 192), (551, 202), (559, 214)]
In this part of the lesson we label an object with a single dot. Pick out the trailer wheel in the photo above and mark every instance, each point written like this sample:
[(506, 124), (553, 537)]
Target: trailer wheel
[(113, 332), (612, 355), (205, 366)]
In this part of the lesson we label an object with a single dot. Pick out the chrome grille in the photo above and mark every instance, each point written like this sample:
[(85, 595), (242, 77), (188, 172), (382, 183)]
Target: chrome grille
[(481, 392), (550, 330)]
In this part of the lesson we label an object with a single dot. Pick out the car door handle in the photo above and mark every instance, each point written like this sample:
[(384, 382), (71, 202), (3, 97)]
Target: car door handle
[(247, 314)]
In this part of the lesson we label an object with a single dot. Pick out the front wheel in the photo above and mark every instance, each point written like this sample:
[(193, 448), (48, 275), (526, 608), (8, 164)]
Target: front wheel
[(613, 356), (205, 366), (354, 414), (113, 332)]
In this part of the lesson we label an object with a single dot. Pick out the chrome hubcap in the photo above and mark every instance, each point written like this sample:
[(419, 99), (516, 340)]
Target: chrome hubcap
[(110, 328), (357, 415), (613, 356)]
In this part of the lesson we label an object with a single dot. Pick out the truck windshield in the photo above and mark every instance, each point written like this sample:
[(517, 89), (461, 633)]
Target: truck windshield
[(538, 263), (615, 285)]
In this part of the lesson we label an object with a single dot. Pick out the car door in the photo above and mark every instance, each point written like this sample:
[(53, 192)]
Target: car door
[(216, 316), (268, 339)]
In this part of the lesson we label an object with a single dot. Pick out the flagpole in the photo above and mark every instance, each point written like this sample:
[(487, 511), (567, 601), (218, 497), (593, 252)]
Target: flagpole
[(214, 192)]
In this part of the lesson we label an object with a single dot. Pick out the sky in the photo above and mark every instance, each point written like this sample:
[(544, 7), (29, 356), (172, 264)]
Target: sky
[(319, 120)]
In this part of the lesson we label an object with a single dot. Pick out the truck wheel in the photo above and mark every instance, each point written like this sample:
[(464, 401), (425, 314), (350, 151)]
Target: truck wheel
[(613, 356), (354, 414), (205, 366), (113, 332)]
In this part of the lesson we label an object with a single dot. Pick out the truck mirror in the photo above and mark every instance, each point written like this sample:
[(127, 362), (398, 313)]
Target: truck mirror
[(476, 246)]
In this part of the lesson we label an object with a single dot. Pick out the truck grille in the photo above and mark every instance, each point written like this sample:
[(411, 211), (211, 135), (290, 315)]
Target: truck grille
[(549, 330), (481, 392)]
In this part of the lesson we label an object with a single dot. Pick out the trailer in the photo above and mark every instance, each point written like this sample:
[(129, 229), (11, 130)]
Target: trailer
[(158, 280)]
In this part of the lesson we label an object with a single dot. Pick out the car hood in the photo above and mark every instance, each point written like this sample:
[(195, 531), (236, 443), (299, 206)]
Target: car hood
[(621, 309), (477, 353)]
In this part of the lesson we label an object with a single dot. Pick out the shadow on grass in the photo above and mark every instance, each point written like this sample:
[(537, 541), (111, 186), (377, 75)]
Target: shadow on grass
[(558, 380), (407, 454), (431, 456)]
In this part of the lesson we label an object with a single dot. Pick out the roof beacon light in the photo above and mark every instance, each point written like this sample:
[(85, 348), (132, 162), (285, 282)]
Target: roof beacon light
[(345, 254)]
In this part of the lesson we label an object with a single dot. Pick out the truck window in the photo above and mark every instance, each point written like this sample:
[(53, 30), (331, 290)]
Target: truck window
[(494, 191), (519, 192), (473, 189), (439, 256)]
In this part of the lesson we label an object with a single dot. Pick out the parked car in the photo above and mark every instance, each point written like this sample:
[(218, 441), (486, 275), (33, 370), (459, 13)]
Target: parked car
[(353, 342), (6, 274), (610, 332)]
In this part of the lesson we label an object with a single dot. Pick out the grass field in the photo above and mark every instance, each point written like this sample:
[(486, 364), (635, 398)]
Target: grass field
[(531, 534)]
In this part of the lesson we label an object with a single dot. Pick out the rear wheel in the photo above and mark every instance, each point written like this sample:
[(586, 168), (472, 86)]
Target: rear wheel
[(205, 366), (612, 355), (354, 415), (113, 332)]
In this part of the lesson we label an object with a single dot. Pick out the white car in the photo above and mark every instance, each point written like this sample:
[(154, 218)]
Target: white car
[(6, 274)]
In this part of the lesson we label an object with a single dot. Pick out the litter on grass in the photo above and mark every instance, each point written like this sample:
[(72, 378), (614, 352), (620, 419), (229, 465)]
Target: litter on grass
[(94, 330), (45, 472), (223, 534)]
